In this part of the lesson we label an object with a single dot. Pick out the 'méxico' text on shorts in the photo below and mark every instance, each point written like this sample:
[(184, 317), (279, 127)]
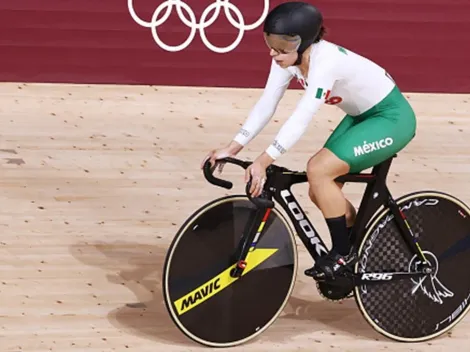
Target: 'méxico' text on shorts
[(366, 148)]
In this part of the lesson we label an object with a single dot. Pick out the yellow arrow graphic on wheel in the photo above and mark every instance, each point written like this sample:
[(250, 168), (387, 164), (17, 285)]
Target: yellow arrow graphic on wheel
[(221, 281)]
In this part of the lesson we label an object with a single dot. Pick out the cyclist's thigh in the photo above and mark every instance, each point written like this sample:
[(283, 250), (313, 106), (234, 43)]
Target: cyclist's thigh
[(346, 123), (374, 140)]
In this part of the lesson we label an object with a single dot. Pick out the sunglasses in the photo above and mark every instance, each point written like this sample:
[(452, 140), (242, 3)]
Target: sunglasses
[(282, 43)]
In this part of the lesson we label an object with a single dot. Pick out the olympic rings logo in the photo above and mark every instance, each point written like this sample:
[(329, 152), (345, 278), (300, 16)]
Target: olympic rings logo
[(205, 22)]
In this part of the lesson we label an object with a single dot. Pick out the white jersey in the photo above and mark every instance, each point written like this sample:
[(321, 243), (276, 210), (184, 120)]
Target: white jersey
[(336, 76)]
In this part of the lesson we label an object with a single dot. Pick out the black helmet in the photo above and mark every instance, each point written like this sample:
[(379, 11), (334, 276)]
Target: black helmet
[(295, 19)]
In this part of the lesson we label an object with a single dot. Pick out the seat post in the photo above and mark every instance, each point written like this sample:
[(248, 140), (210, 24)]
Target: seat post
[(381, 170)]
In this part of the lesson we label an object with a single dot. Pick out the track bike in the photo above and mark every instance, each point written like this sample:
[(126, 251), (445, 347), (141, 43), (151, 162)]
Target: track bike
[(231, 268)]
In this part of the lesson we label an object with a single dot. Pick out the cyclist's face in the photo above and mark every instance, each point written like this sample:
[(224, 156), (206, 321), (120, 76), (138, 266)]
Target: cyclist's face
[(283, 48)]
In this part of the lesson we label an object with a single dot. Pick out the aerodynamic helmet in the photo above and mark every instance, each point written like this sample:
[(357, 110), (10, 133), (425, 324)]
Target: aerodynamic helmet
[(296, 23)]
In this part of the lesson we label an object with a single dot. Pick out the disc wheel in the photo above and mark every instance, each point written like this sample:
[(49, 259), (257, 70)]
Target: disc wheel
[(203, 300), (415, 310)]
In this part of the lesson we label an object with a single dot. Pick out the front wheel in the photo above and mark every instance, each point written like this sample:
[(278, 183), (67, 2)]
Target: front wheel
[(417, 310), (205, 302)]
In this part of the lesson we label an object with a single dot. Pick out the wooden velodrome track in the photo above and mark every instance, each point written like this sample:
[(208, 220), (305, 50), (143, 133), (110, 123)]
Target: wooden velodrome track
[(96, 180)]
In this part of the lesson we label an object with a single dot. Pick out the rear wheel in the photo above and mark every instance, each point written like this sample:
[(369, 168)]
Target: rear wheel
[(204, 301), (416, 310)]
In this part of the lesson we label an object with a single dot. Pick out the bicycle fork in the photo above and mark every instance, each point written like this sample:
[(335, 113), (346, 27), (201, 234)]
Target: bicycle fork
[(249, 239)]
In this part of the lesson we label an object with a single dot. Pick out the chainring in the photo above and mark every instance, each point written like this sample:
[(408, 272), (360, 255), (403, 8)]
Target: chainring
[(337, 291)]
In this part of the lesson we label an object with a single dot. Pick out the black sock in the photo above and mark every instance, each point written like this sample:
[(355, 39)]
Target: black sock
[(339, 234), (350, 235)]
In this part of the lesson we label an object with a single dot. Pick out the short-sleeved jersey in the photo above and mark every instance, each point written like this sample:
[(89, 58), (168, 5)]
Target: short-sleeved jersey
[(336, 76)]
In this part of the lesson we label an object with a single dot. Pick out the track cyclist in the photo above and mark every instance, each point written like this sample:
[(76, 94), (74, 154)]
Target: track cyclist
[(378, 123)]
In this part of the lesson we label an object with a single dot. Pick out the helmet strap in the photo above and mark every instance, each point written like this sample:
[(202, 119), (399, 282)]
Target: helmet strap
[(303, 46)]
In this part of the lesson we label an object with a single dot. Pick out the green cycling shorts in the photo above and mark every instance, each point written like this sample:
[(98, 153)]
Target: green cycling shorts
[(367, 139)]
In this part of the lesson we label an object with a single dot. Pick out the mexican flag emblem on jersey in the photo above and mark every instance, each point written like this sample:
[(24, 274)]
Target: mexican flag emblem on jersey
[(322, 93)]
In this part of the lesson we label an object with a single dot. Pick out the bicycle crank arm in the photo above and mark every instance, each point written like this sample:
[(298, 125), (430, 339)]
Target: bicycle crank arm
[(380, 277)]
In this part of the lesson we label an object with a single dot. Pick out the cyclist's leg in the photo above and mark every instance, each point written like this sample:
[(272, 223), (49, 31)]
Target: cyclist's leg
[(379, 134), (346, 123), (375, 139)]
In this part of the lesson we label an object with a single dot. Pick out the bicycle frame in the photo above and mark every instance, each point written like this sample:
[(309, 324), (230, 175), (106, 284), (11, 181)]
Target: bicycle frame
[(278, 186), (375, 195)]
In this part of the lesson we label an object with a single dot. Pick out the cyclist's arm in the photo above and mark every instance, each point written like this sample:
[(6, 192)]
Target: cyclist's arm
[(319, 84), (262, 112)]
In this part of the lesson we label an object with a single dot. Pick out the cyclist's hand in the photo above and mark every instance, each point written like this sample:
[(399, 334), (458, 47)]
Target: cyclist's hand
[(230, 151), (215, 155), (257, 173)]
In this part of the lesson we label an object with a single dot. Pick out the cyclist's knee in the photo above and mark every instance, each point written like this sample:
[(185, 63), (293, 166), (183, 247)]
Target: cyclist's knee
[(325, 167)]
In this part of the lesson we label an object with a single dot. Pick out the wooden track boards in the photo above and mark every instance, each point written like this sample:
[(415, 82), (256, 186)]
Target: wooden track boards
[(95, 181)]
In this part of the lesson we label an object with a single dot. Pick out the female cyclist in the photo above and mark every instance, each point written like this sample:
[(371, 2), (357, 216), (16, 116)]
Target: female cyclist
[(379, 121)]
